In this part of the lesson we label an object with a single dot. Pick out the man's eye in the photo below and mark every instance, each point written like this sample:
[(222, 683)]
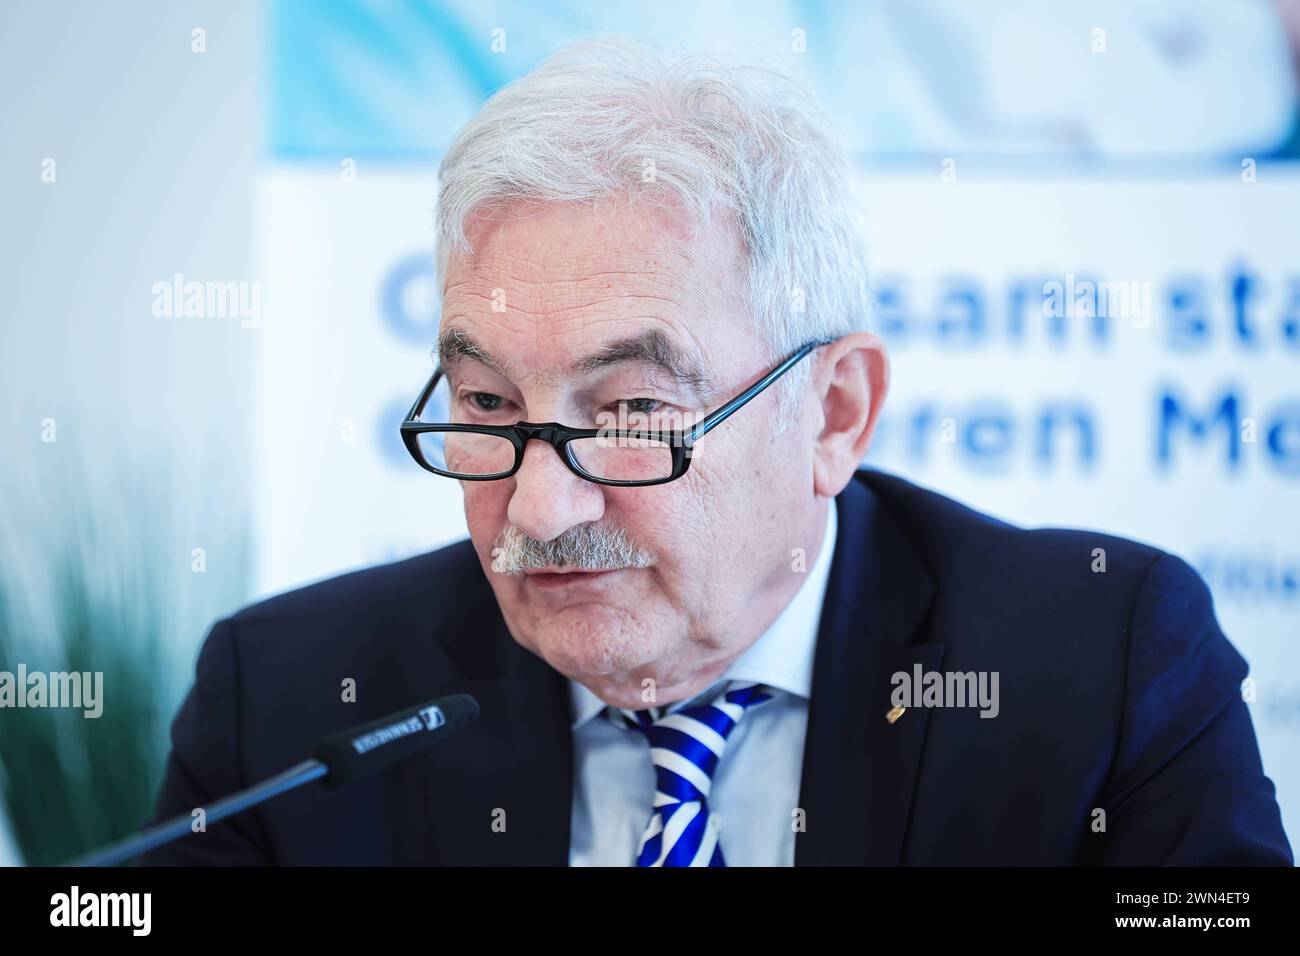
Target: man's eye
[(642, 406), (485, 401)]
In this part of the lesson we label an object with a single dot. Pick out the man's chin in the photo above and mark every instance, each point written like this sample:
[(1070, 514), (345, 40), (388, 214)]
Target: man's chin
[(588, 641)]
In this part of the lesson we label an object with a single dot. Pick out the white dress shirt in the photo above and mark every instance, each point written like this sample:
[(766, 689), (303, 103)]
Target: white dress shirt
[(756, 786)]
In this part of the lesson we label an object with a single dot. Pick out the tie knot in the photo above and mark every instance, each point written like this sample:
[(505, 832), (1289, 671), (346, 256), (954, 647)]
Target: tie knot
[(686, 744), (685, 748), (722, 712)]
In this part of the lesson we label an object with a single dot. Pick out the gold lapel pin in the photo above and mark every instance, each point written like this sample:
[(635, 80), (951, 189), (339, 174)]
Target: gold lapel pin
[(895, 713)]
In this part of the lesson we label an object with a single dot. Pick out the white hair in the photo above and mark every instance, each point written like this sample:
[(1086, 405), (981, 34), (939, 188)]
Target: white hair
[(603, 117)]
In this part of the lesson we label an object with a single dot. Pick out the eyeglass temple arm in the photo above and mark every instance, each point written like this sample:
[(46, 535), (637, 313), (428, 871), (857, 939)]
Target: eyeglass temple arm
[(424, 395), (720, 414), (702, 427)]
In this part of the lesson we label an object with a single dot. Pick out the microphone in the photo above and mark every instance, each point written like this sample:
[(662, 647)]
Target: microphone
[(378, 745), (348, 755)]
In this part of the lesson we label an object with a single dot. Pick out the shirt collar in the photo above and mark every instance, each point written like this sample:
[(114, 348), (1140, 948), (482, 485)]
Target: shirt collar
[(782, 657)]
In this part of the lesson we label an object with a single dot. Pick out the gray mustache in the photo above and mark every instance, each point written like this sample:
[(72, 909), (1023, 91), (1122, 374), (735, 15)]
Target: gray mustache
[(592, 547)]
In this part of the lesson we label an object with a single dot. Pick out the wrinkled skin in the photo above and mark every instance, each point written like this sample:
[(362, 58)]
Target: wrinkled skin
[(573, 278)]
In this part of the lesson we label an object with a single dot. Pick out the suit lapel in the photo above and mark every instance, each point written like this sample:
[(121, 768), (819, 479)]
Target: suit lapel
[(500, 792), (859, 770)]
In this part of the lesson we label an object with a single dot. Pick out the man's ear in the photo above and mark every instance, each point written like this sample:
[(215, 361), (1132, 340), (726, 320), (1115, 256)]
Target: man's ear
[(851, 381)]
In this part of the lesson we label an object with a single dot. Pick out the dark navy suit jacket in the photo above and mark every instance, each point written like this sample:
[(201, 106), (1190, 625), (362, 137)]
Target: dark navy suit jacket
[(1121, 737)]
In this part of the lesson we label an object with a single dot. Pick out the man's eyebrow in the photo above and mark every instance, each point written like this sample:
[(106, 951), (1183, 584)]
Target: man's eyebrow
[(455, 344), (653, 347)]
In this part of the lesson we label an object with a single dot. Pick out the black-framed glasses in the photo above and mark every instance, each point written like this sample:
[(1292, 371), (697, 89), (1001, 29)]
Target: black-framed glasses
[(607, 456)]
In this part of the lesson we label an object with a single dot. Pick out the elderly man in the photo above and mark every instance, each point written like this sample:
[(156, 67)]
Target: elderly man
[(698, 633)]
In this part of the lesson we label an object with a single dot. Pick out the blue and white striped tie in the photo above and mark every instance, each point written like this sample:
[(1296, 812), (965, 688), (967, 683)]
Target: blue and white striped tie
[(685, 747)]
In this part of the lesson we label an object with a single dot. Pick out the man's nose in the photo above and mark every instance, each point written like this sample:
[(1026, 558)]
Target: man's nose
[(548, 498)]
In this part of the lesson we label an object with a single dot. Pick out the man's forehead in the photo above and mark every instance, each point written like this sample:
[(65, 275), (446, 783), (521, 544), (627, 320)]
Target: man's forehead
[(655, 347), (615, 225), (543, 256), (568, 290)]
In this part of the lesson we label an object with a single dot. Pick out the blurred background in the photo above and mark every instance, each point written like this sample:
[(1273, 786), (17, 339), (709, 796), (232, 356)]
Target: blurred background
[(216, 243)]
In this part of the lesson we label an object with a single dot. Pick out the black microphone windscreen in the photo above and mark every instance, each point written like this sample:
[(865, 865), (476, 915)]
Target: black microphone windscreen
[(377, 745)]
